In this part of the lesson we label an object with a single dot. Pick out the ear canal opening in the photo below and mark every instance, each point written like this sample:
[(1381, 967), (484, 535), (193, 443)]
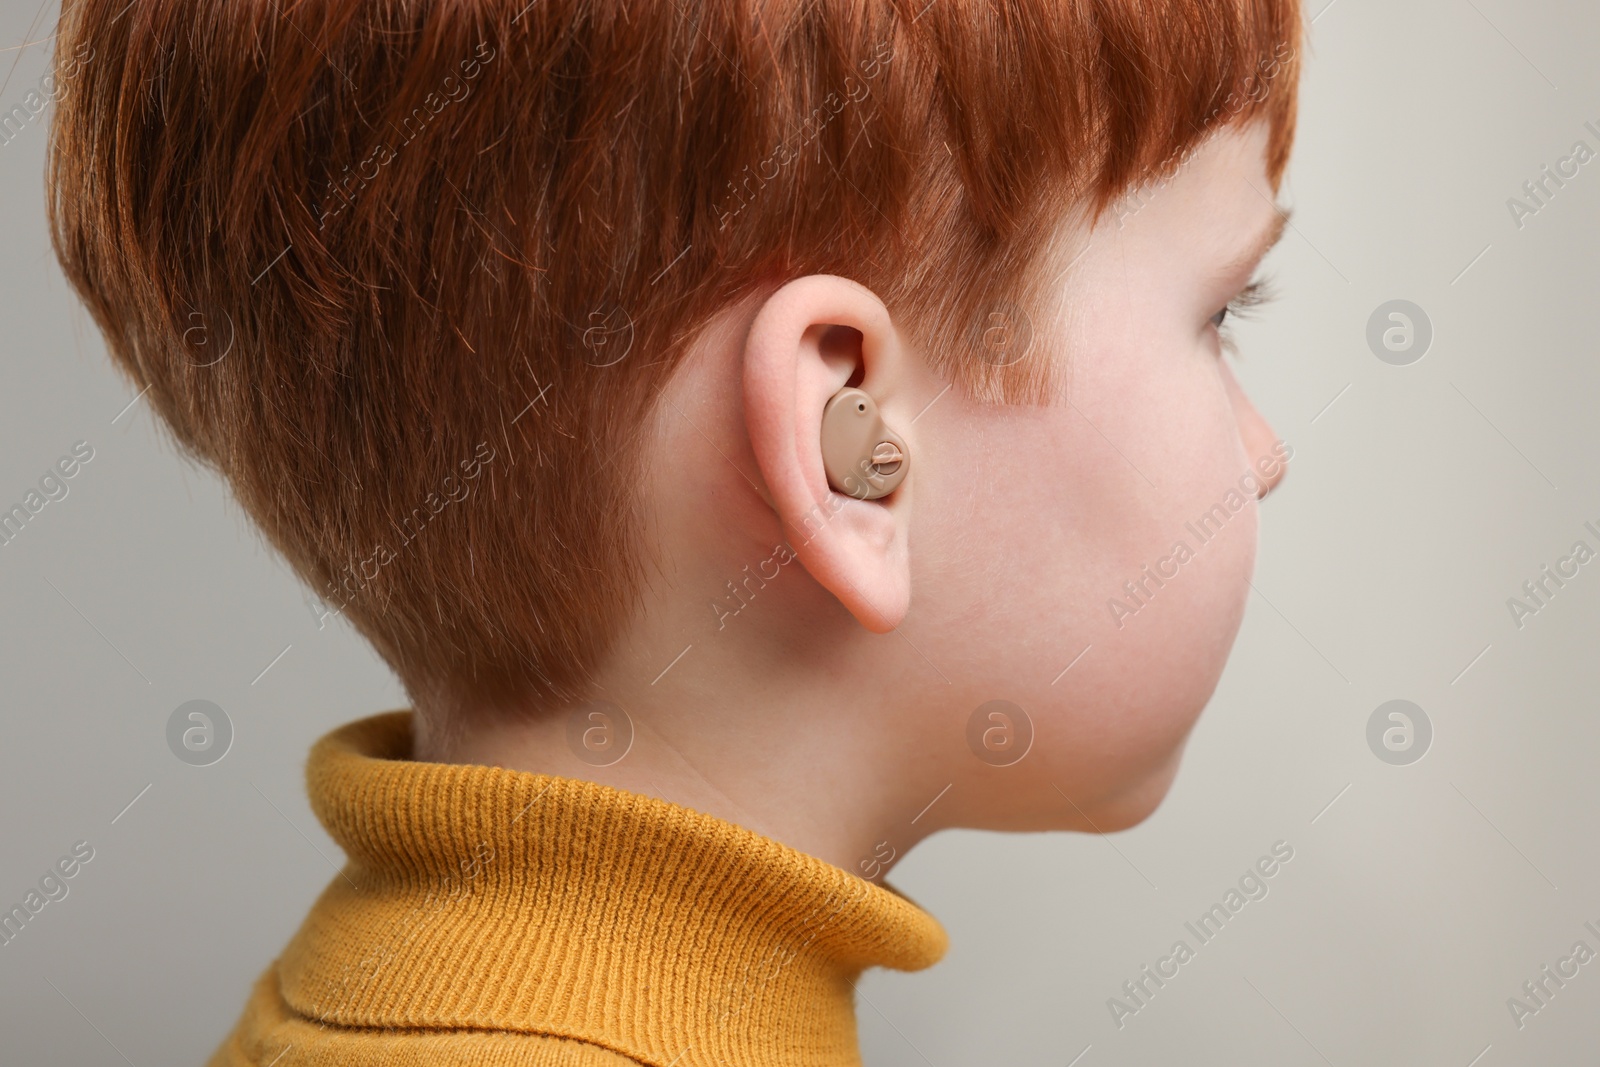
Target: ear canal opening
[(847, 341)]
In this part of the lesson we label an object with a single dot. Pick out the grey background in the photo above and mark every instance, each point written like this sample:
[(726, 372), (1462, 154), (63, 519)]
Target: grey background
[(1421, 499)]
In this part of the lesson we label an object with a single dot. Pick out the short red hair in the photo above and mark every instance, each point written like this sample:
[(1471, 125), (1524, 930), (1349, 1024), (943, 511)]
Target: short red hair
[(456, 248)]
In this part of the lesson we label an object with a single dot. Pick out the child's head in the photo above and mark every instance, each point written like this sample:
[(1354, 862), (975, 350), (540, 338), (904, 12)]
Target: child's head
[(512, 326)]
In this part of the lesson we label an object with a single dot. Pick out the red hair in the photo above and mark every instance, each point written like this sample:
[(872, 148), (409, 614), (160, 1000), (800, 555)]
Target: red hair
[(455, 248)]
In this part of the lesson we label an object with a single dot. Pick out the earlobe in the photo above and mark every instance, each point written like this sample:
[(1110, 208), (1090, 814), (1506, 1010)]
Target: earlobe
[(855, 545)]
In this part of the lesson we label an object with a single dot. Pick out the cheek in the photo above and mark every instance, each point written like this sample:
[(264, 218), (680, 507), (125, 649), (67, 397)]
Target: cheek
[(1170, 565), (1061, 531)]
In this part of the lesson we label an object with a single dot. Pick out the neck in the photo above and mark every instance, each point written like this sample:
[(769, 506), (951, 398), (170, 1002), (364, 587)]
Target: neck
[(829, 793), (825, 771)]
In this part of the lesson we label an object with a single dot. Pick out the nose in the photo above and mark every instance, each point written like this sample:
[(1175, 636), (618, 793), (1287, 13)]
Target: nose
[(1261, 445)]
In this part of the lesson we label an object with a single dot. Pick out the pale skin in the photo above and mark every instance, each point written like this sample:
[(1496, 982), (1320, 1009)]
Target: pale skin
[(828, 706)]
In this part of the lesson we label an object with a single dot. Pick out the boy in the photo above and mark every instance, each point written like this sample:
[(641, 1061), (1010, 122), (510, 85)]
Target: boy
[(544, 320)]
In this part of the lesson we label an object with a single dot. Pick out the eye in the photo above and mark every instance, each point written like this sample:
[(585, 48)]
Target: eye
[(1250, 298)]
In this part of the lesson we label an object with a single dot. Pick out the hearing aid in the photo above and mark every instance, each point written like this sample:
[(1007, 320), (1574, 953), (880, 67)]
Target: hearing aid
[(861, 455)]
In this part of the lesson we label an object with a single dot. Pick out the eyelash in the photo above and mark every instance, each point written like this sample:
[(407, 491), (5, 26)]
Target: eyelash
[(1250, 299)]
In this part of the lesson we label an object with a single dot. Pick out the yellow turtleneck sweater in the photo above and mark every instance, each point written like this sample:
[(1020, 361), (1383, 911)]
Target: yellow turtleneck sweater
[(491, 917)]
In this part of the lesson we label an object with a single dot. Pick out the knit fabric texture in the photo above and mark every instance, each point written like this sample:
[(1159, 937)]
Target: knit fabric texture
[(493, 917)]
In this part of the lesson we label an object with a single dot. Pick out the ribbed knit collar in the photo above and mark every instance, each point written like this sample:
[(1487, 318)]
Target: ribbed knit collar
[(487, 899)]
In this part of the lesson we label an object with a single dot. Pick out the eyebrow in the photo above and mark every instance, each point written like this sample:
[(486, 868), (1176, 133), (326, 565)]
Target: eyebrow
[(1263, 244)]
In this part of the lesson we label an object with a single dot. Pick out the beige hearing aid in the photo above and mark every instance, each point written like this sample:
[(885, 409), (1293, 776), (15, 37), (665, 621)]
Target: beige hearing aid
[(863, 457)]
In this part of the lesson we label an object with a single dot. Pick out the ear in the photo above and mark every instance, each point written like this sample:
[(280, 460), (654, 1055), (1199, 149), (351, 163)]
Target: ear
[(795, 359)]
